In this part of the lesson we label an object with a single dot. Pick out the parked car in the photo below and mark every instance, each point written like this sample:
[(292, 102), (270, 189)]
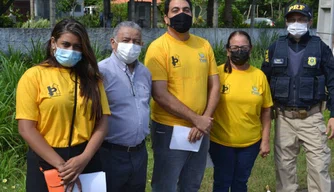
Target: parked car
[(261, 20)]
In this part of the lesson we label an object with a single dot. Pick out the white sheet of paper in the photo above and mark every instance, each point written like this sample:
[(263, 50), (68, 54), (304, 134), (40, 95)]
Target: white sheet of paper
[(180, 140), (92, 182)]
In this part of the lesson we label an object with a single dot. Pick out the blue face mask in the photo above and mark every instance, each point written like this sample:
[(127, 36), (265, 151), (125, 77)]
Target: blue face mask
[(67, 58)]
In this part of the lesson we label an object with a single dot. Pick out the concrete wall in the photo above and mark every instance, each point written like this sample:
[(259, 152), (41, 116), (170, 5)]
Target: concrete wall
[(21, 38)]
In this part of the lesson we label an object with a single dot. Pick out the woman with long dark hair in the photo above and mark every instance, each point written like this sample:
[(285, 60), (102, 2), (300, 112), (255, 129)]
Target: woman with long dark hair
[(242, 118), (62, 109)]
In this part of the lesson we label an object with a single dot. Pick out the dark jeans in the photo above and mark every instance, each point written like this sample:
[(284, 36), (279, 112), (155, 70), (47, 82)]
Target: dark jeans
[(232, 166), (176, 170), (35, 181), (125, 171)]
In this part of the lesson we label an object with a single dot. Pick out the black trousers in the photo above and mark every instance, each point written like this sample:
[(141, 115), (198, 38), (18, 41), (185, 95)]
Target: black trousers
[(35, 181)]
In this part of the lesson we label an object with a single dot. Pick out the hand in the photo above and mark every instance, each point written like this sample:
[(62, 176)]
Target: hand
[(194, 135), (73, 168), (330, 128), (264, 148), (70, 186), (204, 123)]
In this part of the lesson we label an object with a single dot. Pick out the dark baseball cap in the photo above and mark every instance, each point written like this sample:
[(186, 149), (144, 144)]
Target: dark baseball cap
[(299, 8)]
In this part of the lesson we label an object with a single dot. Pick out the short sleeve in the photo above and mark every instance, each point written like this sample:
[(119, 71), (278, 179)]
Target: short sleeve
[(212, 62), (156, 61), (104, 100), (27, 96)]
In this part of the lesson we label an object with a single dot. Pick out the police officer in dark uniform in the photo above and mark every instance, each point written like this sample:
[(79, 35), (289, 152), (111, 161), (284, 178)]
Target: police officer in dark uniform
[(300, 68)]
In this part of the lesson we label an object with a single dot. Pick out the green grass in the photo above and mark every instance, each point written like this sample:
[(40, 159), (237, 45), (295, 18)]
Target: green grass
[(263, 172), (13, 148)]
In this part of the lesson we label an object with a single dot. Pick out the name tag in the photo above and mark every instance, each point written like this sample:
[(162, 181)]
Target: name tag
[(278, 61)]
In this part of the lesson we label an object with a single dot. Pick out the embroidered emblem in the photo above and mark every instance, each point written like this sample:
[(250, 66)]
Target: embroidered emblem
[(255, 90), (53, 90), (296, 7), (226, 89), (312, 61), (176, 61), (202, 57)]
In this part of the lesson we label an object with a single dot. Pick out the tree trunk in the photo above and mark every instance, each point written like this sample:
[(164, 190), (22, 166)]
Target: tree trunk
[(106, 14), (279, 10), (272, 9), (155, 14), (52, 13), (215, 14), (194, 13), (253, 13), (32, 9), (209, 13), (132, 11), (228, 17)]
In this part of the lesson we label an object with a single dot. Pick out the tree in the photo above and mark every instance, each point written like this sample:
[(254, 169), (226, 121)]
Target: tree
[(197, 16), (215, 13), (91, 2), (209, 13), (4, 6), (228, 17), (66, 6), (253, 13)]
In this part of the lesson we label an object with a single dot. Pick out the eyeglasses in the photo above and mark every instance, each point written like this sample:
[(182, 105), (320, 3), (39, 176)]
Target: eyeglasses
[(237, 48), (299, 20)]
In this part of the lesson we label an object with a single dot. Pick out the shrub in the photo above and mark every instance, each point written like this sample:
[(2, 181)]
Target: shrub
[(40, 23), (237, 16), (120, 13), (6, 21), (89, 21)]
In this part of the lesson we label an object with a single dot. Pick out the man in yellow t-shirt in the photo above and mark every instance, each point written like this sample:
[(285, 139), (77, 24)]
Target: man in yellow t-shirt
[(185, 90)]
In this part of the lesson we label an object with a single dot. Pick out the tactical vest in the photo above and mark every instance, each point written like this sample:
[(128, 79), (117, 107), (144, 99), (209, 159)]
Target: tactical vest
[(304, 87)]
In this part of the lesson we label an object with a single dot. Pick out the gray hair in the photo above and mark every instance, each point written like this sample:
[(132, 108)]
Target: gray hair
[(130, 24)]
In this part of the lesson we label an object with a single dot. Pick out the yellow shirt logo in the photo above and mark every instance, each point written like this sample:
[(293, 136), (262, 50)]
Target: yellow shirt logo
[(53, 90), (226, 89), (176, 61), (202, 57), (255, 90), (312, 61)]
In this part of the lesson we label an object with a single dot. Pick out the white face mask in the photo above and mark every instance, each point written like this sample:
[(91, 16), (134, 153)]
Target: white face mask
[(127, 52), (297, 29)]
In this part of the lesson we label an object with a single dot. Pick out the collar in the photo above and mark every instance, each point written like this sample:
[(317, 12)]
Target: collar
[(303, 39)]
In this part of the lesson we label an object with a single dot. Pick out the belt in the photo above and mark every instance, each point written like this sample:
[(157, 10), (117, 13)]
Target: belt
[(298, 113), (108, 145)]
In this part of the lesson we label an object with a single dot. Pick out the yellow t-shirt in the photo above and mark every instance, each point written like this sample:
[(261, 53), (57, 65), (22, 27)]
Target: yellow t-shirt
[(46, 95), (237, 120), (186, 66)]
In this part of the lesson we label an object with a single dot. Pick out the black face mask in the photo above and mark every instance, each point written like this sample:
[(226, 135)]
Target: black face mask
[(239, 57), (181, 22)]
